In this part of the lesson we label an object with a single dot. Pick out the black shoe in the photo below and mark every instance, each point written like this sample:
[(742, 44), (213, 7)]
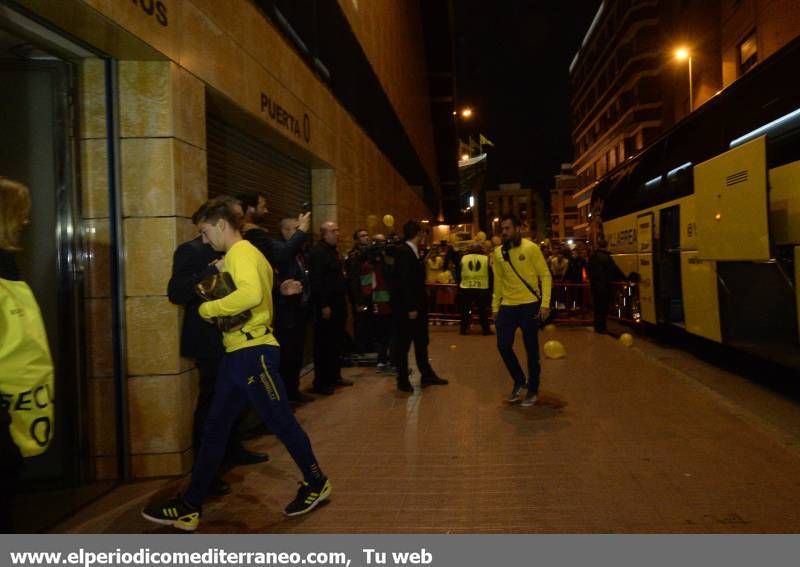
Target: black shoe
[(433, 380), (405, 387), (487, 333), (308, 496), (245, 457), (300, 398), (343, 382), (219, 488), (462, 332), (323, 390), (175, 513)]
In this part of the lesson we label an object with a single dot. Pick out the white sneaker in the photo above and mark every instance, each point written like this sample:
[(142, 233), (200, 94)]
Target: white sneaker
[(529, 400)]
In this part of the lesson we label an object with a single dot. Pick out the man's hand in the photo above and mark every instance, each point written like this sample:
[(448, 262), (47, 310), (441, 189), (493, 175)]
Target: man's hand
[(291, 287), (326, 312), (544, 313), (413, 315), (304, 221), (219, 264)]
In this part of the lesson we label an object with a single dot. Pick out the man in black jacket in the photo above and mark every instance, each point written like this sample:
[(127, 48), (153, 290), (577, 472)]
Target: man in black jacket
[(328, 296), (291, 312), (193, 262), (602, 271), (410, 308)]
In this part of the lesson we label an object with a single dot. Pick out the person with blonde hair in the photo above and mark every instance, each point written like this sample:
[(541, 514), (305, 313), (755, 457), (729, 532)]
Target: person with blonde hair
[(26, 368)]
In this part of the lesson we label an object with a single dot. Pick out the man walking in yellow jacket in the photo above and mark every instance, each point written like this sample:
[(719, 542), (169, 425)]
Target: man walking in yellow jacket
[(522, 284)]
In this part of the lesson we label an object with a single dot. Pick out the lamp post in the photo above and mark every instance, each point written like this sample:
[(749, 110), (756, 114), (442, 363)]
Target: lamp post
[(682, 54)]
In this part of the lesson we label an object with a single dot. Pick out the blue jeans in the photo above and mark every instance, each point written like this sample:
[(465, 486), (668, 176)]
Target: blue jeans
[(249, 375), (526, 317)]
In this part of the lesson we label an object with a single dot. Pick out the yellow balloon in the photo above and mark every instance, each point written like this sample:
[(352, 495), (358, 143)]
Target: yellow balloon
[(554, 349), (480, 237), (626, 339), (372, 221), (388, 220), (550, 328)]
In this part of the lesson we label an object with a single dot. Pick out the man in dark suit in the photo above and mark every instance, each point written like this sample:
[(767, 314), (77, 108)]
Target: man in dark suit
[(410, 307), (192, 262), (329, 299)]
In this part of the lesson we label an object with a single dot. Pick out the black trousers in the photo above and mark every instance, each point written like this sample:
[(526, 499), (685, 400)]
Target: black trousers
[(384, 338), (292, 339), (482, 298), (414, 331), (208, 369), (601, 301), (328, 338)]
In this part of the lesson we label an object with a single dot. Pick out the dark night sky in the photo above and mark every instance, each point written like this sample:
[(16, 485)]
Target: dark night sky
[(512, 60)]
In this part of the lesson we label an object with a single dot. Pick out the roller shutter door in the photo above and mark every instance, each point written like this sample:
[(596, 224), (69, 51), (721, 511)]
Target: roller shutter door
[(240, 163)]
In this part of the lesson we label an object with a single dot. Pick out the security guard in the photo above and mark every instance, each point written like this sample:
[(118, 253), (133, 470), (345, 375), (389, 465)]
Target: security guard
[(474, 288), (521, 296)]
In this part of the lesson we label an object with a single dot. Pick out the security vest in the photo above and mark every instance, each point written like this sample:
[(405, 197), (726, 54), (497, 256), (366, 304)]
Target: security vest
[(475, 271), (26, 369)]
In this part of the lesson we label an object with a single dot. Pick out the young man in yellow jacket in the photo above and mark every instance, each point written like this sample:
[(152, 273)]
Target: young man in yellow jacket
[(521, 297), (248, 373)]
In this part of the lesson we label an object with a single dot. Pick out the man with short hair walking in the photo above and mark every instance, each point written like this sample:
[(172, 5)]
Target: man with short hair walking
[(521, 297)]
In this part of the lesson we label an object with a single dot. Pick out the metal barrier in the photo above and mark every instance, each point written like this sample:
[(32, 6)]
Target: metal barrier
[(573, 303)]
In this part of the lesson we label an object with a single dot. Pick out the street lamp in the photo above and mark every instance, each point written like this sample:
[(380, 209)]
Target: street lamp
[(683, 54), (466, 113)]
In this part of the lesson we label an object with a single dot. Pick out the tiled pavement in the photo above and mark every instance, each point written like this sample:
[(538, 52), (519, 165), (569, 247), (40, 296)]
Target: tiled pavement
[(623, 440)]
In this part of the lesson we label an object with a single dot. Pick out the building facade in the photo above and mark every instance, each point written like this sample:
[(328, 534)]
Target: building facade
[(627, 87), (124, 117), (563, 208), (524, 203)]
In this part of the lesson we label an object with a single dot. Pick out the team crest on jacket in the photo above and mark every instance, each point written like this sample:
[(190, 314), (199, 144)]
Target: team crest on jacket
[(522, 257)]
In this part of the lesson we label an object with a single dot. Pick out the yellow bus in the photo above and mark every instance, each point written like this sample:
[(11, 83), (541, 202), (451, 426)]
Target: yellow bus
[(708, 216)]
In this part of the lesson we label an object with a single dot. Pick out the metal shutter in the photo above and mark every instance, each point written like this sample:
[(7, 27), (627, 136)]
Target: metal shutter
[(240, 163)]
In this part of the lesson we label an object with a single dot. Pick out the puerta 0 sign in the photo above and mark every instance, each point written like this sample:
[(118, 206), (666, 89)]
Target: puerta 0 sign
[(285, 119)]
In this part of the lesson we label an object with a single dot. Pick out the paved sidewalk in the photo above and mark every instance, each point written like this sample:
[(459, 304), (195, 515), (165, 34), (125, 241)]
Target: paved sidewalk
[(623, 440)]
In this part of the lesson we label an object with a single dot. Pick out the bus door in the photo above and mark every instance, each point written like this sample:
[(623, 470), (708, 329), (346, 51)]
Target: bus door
[(644, 238), (669, 306)]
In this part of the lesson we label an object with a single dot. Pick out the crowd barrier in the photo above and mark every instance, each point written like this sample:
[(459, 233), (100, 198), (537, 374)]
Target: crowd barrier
[(573, 303)]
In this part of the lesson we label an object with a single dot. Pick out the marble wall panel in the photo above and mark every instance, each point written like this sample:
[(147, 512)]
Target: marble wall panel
[(189, 107), (192, 177), (153, 336), (102, 417), (164, 464), (98, 254), (94, 178), (145, 99), (148, 176), (99, 331), (161, 410), (92, 99), (149, 244)]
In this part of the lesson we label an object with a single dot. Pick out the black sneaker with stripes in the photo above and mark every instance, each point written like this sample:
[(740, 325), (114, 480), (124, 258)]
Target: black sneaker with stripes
[(308, 496)]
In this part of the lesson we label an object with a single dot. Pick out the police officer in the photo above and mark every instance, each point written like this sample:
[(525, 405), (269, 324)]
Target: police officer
[(521, 296), (473, 275)]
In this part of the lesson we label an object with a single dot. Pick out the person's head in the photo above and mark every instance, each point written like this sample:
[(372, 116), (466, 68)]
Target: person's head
[(379, 238), (329, 233), (602, 244), (15, 208), (218, 222), (288, 227), (412, 232), (261, 210), (510, 228), (249, 202), (361, 237)]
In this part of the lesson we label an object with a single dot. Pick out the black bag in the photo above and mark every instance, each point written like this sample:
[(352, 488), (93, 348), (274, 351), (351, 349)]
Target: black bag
[(216, 287)]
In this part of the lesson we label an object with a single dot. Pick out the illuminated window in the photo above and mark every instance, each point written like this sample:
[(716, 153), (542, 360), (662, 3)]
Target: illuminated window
[(748, 53)]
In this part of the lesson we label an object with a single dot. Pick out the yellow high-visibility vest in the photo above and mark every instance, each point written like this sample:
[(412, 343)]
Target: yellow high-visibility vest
[(474, 271), (26, 369)]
